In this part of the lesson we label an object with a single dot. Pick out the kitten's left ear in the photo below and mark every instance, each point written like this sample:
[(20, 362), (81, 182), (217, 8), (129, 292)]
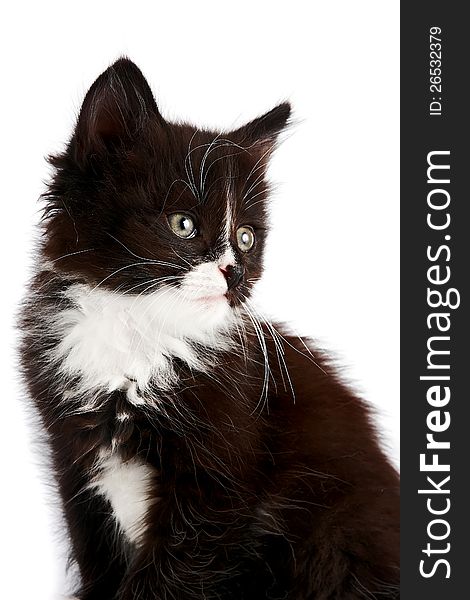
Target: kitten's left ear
[(116, 108), (264, 131)]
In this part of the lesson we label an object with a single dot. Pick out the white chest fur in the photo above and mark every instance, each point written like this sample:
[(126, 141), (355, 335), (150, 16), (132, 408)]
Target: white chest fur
[(111, 340), (130, 489)]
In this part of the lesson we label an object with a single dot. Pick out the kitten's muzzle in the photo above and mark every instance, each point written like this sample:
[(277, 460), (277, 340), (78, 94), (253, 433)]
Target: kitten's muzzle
[(233, 275)]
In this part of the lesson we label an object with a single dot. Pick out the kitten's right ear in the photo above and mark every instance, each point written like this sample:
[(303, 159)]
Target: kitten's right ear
[(116, 108)]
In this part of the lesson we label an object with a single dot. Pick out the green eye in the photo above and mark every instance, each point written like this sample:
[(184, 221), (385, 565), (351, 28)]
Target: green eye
[(245, 238), (182, 225)]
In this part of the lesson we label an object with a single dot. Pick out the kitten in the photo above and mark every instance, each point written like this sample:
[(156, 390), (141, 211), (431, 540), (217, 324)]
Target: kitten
[(201, 452)]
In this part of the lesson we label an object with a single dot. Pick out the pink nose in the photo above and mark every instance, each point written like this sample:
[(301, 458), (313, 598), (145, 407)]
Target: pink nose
[(233, 275)]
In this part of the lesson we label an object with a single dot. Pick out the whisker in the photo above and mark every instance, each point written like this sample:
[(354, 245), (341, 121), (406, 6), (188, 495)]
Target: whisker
[(182, 258), (152, 281), (146, 262), (171, 187), (260, 335), (251, 203), (190, 173), (126, 248), (216, 160), (203, 162), (72, 254), (257, 165), (255, 183), (277, 338)]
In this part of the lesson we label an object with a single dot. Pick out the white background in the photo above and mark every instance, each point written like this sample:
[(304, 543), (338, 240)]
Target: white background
[(332, 265)]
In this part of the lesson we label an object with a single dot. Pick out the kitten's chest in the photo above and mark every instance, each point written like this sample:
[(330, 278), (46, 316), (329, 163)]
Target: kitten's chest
[(112, 342)]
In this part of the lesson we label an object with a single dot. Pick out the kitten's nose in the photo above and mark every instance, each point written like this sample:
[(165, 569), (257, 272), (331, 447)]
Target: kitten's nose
[(233, 275)]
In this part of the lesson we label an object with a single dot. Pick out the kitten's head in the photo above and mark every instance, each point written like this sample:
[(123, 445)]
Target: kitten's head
[(142, 206)]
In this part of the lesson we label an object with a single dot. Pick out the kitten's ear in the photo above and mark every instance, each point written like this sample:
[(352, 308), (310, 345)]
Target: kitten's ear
[(117, 106), (264, 131)]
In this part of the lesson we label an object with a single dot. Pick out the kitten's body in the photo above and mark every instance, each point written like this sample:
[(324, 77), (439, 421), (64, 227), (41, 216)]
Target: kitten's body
[(199, 453)]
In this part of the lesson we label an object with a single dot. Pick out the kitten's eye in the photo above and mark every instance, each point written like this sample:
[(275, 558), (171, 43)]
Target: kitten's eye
[(182, 225), (245, 238)]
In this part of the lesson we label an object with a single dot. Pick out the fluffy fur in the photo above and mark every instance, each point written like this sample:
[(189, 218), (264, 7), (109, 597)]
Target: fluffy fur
[(201, 452)]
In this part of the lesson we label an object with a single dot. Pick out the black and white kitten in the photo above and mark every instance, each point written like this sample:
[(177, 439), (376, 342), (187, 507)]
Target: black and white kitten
[(200, 451)]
